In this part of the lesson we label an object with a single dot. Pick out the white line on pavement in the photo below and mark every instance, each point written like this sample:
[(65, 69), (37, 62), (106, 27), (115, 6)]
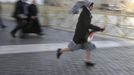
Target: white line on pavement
[(9, 49)]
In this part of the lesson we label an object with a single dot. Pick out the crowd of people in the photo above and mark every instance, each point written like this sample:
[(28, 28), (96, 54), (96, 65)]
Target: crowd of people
[(26, 16)]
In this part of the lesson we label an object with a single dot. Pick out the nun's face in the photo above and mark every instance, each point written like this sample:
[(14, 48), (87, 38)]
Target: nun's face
[(90, 7), (33, 2)]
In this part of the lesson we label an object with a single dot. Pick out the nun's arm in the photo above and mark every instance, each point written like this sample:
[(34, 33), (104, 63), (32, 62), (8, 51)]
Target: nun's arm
[(94, 28)]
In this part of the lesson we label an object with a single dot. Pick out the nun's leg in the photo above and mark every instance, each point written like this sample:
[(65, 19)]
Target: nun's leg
[(88, 58), (71, 47), (60, 51)]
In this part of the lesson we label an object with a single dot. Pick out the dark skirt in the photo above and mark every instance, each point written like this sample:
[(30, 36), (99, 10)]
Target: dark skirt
[(32, 26)]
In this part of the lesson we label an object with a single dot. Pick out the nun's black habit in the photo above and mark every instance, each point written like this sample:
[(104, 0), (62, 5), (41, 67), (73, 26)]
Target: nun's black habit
[(83, 26)]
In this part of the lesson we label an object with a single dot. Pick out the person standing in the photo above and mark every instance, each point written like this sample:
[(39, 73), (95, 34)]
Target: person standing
[(80, 39), (1, 23), (21, 15), (33, 25)]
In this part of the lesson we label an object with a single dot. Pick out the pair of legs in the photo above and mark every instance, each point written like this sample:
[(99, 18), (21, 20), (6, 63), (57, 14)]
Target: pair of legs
[(19, 26), (1, 24), (72, 46), (87, 54)]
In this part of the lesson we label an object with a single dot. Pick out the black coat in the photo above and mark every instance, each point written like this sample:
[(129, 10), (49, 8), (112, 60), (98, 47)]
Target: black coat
[(33, 10), (83, 26), (33, 25), (19, 9)]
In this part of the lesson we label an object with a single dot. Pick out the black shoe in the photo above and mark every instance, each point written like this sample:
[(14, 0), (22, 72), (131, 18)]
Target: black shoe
[(23, 36), (3, 26), (58, 53), (89, 64), (13, 34), (40, 34)]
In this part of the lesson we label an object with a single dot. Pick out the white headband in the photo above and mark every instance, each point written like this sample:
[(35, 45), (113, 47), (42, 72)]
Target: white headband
[(79, 4)]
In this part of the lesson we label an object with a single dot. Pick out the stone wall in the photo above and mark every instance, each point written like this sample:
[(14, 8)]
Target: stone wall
[(116, 22), (57, 16)]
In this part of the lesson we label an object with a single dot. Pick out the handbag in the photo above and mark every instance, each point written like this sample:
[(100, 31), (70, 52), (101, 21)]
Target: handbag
[(28, 27)]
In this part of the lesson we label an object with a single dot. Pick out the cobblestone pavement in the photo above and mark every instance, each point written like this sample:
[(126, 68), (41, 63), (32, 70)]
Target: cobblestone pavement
[(112, 60), (109, 61)]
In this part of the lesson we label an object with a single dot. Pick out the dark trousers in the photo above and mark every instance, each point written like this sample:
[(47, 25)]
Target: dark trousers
[(20, 25), (1, 23)]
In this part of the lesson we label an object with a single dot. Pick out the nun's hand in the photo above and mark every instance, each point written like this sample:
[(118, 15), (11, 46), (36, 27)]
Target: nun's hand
[(22, 16), (102, 29), (33, 17)]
